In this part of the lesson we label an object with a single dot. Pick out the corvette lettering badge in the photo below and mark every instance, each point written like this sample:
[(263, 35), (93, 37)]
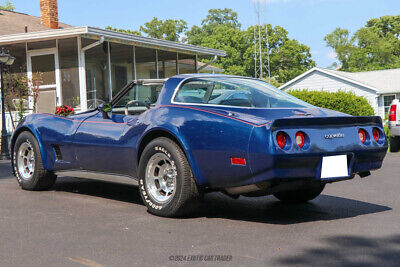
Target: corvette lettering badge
[(331, 136)]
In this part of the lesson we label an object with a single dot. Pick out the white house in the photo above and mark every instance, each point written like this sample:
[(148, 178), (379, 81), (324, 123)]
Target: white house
[(378, 87)]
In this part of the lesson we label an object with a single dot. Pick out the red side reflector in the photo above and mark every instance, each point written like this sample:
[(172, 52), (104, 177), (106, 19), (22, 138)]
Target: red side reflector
[(238, 161), (392, 113), (362, 135)]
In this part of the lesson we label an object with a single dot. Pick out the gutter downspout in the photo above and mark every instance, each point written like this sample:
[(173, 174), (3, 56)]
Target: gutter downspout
[(99, 42)]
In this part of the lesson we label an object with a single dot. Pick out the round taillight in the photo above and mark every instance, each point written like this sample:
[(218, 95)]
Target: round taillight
[(300, 139), (281, 139), (376, 134), (362, 135)]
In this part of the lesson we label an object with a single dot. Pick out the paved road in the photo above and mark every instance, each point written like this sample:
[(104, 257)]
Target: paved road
[(92, 223)]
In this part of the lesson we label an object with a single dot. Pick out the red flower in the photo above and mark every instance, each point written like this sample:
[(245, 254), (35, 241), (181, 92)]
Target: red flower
[(64, 110)]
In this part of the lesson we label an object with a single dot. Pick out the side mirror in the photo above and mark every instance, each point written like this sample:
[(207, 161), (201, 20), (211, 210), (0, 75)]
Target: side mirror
[(105, 109)]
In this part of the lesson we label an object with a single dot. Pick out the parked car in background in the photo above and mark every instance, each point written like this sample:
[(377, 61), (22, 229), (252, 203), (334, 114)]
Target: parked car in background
[(394, 125), (197, 134)]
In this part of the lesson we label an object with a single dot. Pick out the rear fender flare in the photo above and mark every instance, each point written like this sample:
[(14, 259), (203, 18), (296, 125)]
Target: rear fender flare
[(174, 132)]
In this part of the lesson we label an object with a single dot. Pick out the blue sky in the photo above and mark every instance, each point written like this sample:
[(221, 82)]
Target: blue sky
[(306, 20)]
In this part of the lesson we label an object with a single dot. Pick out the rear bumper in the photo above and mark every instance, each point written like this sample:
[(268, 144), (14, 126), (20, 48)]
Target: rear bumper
[(308, 167), (395, 130)]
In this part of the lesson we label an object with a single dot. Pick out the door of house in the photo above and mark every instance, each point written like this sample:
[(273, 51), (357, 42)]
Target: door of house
[(44, 63)]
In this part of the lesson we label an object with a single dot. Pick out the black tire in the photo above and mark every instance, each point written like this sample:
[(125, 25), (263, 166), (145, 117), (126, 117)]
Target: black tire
[(394, 143), (301, 195), (186, 194), (40, 179)]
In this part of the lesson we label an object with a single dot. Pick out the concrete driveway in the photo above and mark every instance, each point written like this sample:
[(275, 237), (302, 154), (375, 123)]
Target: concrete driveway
[(93, 223)]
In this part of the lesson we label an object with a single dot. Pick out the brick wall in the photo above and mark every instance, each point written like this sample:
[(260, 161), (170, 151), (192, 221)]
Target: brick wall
[(49, 13)]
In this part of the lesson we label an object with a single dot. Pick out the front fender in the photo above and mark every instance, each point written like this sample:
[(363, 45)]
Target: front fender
[(50, 130), (23, 126)]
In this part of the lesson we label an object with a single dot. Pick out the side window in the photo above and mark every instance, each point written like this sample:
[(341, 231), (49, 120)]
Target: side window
[(230, 95), (194, 92), (215, 92), (387, 101), (236, 92)]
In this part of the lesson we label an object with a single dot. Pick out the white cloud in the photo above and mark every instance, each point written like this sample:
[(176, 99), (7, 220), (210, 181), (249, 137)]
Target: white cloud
[(331, 55)]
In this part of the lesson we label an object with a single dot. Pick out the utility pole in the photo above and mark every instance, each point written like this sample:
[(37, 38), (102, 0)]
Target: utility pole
[(259, 38), (261, 43)]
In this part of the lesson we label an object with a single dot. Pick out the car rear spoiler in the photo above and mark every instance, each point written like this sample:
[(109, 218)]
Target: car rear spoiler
[(328, 121)]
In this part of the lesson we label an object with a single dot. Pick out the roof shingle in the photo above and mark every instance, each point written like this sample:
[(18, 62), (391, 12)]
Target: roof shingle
[(13, 22)]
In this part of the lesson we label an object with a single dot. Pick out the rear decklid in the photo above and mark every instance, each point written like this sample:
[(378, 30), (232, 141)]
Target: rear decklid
[(262, 116), (330, 134)]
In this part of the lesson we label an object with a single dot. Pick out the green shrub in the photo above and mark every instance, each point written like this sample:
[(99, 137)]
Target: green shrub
[(345, 102)]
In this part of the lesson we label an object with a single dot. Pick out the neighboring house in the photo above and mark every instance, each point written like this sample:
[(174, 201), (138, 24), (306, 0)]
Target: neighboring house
[(378, 87), (85, 66)]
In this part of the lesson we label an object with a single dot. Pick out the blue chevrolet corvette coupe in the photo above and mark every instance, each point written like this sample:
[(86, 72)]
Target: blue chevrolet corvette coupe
[(192, 134)]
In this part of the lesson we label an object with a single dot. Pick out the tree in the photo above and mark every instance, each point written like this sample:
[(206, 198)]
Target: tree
[(8, 6), (221, 30), (225, 17), (215, 18), (233, 41), (288, 57), (124, 31), (385, 26), (341, 42), (169, 29), (375, 46)]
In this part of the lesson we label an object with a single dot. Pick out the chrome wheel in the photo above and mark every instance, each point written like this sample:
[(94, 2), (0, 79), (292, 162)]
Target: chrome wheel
[(26, 161), (160, 178)]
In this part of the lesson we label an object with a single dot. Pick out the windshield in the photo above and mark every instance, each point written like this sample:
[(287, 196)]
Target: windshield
[(137, 98), (238, 92)]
